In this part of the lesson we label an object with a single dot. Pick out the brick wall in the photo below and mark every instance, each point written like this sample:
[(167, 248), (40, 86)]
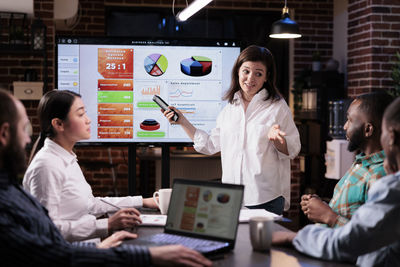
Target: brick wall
[(315, 21), (374, 38)]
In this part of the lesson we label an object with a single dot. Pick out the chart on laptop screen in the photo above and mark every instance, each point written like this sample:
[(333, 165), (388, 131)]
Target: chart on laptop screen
[(205, 210)]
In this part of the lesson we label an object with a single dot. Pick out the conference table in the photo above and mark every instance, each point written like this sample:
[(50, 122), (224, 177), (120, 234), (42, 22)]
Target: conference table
[(243, 254)]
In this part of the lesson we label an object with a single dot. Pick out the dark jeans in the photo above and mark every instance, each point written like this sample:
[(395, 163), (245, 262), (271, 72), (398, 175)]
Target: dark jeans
[(276, 205)]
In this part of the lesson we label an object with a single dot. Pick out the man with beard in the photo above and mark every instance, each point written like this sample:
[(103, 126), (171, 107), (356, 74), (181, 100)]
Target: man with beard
[(28, 237), (363, 129), (372, 236)]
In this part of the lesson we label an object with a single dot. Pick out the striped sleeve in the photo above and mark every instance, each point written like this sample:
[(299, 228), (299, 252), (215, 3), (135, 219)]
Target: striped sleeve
[(29, 238)]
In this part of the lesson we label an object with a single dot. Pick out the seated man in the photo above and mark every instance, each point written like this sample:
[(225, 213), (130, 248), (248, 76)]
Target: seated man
[(27, 234), (372, 236), (363, 128)]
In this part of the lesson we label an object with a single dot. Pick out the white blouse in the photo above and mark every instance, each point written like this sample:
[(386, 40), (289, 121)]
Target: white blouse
[(247, 156), (56, 180)]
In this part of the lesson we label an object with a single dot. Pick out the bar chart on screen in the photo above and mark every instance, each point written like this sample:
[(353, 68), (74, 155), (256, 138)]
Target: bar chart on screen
[(151, 90)]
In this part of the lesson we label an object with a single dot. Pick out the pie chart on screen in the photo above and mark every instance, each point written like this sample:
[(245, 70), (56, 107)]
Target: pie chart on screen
[(155, 64), (196, 66)]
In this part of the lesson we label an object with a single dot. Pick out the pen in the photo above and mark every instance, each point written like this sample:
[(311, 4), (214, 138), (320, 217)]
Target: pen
[(111, 204), (283, 219), (129, 229)]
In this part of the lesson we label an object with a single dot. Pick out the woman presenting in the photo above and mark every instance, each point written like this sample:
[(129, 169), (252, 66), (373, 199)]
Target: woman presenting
[(56, 180), (255, 133)]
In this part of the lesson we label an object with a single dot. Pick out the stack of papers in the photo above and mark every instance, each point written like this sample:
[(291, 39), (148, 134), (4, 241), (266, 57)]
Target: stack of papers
[(153, 219), (246, 214)]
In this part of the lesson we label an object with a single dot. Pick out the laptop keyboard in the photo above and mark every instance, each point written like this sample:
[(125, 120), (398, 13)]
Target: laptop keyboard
[(198, 244)]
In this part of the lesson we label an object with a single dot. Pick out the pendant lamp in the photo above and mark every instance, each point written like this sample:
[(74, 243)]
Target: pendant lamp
[(285, 28)]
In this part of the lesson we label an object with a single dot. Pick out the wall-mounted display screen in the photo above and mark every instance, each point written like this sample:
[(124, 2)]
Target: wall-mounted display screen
[(117, 78)]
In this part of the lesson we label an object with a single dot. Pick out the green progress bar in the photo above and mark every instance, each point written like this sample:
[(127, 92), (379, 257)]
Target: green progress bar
[(147, 105), (150, 134), (114, 97)]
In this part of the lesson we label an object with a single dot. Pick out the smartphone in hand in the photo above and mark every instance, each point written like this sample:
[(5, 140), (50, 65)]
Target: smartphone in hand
[(164, 106)]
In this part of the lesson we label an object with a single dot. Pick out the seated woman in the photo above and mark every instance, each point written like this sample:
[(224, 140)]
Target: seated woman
[(56, 180)]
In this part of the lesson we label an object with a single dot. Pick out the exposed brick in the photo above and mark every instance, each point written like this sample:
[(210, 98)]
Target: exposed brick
[(373, 30), (44, 14), (387, 18), (93, 13), (94, 27)]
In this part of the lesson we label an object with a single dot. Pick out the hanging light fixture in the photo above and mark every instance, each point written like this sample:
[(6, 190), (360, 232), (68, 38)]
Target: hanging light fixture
[(191, 9), (285, 28)]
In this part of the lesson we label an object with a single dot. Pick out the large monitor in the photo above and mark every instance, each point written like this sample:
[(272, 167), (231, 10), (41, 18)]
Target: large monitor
[(117, 78)]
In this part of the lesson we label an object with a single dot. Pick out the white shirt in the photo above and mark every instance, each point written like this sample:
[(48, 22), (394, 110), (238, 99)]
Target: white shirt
[(56, 180), (247, 156)]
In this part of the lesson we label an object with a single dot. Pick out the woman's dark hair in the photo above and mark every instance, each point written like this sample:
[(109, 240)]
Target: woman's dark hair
[(255, 53), (54, 104)]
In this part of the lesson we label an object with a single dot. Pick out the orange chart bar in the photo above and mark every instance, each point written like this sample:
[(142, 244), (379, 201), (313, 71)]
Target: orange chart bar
[(115, 63), (120, 109), (115, 85), (121, 121), (114, 132)]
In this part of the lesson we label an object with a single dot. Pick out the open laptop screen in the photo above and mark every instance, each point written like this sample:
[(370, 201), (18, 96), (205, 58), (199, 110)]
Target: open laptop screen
[(205, 208)]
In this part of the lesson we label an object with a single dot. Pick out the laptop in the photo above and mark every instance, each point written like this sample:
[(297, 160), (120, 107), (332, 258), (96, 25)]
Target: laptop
[(202, 215)]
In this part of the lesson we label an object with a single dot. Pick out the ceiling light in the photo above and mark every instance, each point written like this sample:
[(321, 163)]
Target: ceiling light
[(285, 28), (192, 9)]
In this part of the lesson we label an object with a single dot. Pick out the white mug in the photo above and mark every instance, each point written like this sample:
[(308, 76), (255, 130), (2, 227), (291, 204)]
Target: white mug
[(261, 232), (163, 199)]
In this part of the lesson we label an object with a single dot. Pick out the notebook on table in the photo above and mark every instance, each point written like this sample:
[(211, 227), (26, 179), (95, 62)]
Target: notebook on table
[(201, 215)]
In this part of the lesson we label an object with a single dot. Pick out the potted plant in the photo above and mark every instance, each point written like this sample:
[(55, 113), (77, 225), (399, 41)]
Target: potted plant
[(316, 61), (395, 91)]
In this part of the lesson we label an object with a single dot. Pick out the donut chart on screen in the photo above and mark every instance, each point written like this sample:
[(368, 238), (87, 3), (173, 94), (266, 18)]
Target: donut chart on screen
[(196, 66), (150, 125), (155, 64)]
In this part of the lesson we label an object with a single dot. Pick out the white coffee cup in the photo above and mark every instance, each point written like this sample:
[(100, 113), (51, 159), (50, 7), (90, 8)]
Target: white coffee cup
[(261, 232), (163, 199)]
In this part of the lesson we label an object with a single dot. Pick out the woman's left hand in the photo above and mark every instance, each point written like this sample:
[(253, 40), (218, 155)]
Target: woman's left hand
[(116, 239), (278, 138), (275, 134), (149, 203)]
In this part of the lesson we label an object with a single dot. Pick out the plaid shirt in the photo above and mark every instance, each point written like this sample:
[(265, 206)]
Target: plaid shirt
[(351, 191)]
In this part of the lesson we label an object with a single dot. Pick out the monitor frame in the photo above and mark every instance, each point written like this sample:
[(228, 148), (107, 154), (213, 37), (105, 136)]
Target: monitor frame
[(118, 40)]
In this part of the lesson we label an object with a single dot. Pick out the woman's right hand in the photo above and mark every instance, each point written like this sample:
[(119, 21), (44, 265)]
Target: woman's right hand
[(169, 114), (185, 123), (124, 218)]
